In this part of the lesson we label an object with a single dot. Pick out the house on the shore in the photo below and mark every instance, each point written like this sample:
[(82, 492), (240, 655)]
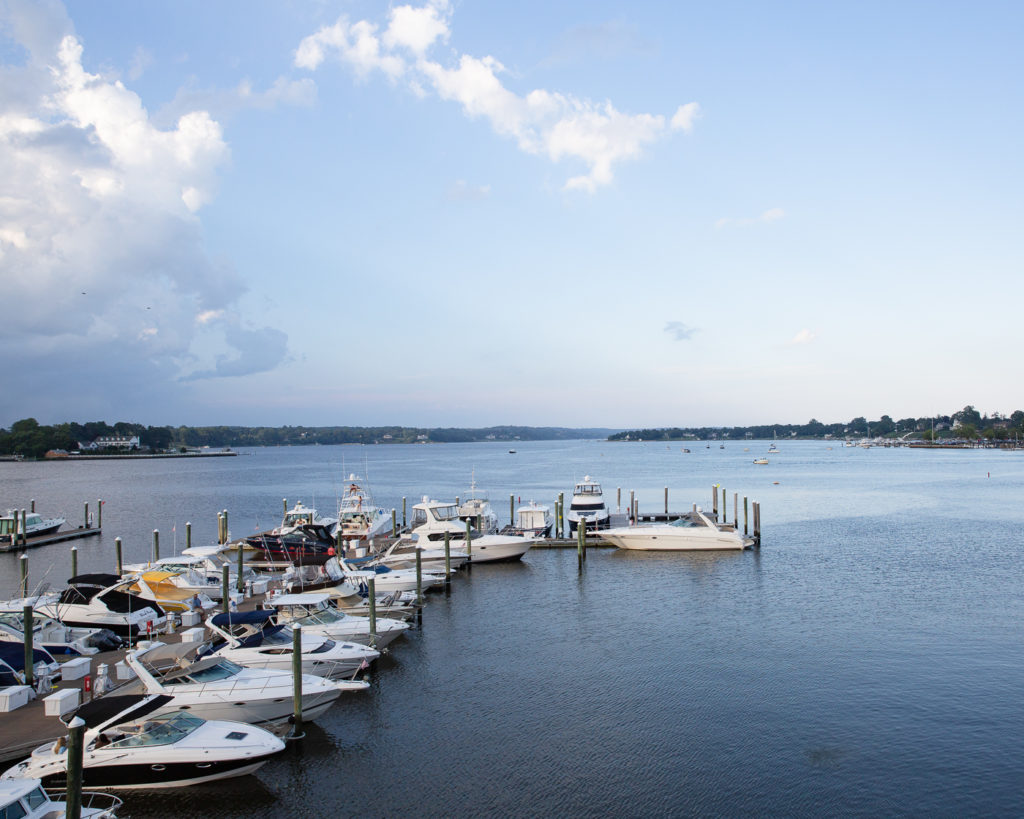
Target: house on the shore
[(125, 442)]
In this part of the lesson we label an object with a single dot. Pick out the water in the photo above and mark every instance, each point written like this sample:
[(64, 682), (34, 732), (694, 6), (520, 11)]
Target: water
[(866, 661)]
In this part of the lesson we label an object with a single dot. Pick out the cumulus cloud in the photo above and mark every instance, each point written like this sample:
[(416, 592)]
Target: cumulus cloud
[(769, 216), (679, 331), (101, 252), (545, 123), (803, 337)]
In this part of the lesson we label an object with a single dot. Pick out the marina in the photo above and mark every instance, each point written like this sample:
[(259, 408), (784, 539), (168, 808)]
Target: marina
[(731, 656)]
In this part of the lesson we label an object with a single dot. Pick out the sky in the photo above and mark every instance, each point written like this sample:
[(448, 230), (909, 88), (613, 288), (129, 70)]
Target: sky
[(476, 213)]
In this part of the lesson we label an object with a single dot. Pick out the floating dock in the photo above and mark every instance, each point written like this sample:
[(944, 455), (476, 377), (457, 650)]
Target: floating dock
[(46, 540)]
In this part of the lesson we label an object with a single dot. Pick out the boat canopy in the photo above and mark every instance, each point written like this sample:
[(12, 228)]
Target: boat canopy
[(123, 707), (306, 599), (98, 579), (242, 618), (13, 654)]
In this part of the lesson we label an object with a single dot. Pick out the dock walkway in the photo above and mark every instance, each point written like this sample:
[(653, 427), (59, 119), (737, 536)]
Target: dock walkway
[(46, 540)]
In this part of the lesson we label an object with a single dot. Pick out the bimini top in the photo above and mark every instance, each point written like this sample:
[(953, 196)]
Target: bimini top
[(304, 599), (242, 618), (98, 579), (123, 707)]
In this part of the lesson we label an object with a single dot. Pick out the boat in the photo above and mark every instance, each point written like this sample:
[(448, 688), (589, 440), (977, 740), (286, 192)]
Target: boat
[(299, 516), (27, 799), (511, 452), (100, 601), (54, 636), (128, 744), (306, 544), (12, 664), (217, 688), (588, 505), (387, 579), (432, 519), (694, 531), (358, 517), (477, 510), (313, 612), (760, 460), (172, 590), (772, 448), (686, 451), (531, 519), (200, 569), (251, 639), (35, 524)]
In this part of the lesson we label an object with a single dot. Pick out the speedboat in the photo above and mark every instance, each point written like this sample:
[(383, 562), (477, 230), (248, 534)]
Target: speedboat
[(53, 635), (35, 524), (760, 460), (305, 544), (128, 744), (358, 517), (313, 612), (26, 799), (100, 601), (694, 531), (251, 639), (200, 570), (171, 590), (216, 688), (588, 505), (12, 664), (532, 519)]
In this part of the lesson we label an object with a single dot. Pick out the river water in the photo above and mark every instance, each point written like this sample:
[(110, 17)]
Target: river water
[(866, 660)]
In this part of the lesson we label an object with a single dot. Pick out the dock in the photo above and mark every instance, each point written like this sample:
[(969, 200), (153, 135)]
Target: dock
[(46, 540)]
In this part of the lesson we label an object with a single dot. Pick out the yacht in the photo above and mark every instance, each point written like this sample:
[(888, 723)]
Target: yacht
[(100, 601), (477, 510), (251, 639), (313, 612), (305, 544), (388, 580), (129, 744), (200, 569), (35, 524), (588, 504), (217, 688), (532, 519), (431, 519), (53, 635), (26, 799), (694, 531), (358, 517)]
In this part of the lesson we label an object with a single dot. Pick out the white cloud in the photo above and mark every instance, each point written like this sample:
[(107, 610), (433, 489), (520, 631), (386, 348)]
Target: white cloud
[(680, 331), (100, 241), (769, 216), (141, 60), (542, 122), (803, 337)]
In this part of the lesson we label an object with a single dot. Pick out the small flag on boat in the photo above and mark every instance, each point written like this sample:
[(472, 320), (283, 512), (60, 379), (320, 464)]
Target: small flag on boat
[(364, 665)]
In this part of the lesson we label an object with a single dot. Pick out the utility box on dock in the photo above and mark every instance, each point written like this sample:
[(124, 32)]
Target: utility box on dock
[(60, 702), (124, 671), (193, 635), (190, 618), (13, 697), (75, 669)]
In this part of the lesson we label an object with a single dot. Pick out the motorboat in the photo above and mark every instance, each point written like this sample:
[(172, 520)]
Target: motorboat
[(35, 524), (200, 568), (476, 509), (305, 544), (432, 519), (27, 799), (358, 517), (588, 505), (532, 519), (53, 635), (772, 449), (314, 613), (694, 531), (128, 744), (217, 688), (299, 516), (12, 664), (401, 554), (760, 460), (251, 639), (387, 579), (100, 601), (171, 590)]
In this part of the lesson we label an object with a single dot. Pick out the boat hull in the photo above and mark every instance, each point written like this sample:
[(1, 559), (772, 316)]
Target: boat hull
[(656, 539), (158, 775)]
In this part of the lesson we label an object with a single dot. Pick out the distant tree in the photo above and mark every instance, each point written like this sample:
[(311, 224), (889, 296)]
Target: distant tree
[(859, 426), (968, 415), (966, 431), (1017, 418), (884, 426)]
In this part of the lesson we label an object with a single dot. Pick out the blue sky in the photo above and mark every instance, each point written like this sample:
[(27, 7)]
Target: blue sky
[(464, 213)]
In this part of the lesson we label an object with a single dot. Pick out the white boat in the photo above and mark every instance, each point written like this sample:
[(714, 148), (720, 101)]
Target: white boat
[(588, 504), (12, 664), (250, 639), (216, 688), (387, 579), (476, 509), (129, 744), (100, 601), (432, 519), (35, 524), (760, 460), (54, 636), (692, 532), (298, 516), (402, 555), (532, 519), (26, 799), (313, 612), (358, 517)]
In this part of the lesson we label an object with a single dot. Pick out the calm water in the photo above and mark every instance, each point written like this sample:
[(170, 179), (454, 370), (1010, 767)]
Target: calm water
[(868, 660)]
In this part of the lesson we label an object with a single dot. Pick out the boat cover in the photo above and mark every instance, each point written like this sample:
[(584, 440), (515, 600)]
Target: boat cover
[(13, 654), (125, 707), (242, 618)]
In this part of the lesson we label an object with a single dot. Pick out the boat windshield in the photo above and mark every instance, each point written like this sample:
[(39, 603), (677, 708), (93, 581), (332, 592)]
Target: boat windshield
[(164, 730), (223, 670), (686, 523), (317, 617), (587, 489), (445, 512)]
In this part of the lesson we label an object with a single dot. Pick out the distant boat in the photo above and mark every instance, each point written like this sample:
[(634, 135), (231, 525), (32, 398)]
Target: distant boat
[(760, 460), (686, 450), (511, 452)]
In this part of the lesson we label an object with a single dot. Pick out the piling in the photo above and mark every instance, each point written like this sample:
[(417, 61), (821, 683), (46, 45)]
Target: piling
[(736, 510), (27, 614), (240, 584), (394, 523), (227, 533), (188, 535), (757, 523), (469, 545), (117, 556), (156, 545), (714, 501), (74, 561), (636, 510), (24, 526), (220, 530), (24, 575), (296, 681), (581, 544), (512, 509), (85, 516), (419, 576), (99, 513), (632, 505), (618, 498), (226, 599), (560, 523), (447, 558), (666, 500), (404, 524), (371, 597), (284, 503), (32, 505), (746, 515), (73, 789)]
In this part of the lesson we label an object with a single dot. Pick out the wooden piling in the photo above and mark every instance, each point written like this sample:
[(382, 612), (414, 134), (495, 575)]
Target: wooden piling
[(32, 505), (736, 510), (27, 615), (73, 788), (714, 501), (580, 535), (632, 505), (371, 597), (560, 528), (24, 575), (240, 583), (224, 590), (74, 561), (297, 681), (512, 510), (227, 533), (220, 531), (284, 503), (394, 523), (24, 527), (156, 545), (117, 557), (666, 500), (447, 558), (419, 576), (746, 517), (188, 535), (85, 521), (469, 544), (618, 498), (99, 513), (404, 522)]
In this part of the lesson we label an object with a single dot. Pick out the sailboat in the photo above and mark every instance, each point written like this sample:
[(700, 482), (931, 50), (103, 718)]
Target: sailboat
[(772, 449)]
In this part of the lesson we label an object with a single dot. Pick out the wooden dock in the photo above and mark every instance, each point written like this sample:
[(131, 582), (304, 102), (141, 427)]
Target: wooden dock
[(46, 540)]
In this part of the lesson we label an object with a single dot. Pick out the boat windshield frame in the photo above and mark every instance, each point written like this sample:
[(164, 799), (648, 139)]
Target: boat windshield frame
[(159, 730), (450, 512)]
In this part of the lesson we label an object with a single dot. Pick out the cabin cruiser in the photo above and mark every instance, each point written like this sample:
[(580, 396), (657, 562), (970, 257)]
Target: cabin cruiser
[(100, 601), (358, 517), (694, 531), (432, 519), (128, 743), (171, 590), (402, 555), (26, 799), (588, 505), (251, 639), (35, 525), (53, 635), (477, 510), (200, 570), (305, 544), (532, 519), (217, 688), (387, 579), (313, 612)]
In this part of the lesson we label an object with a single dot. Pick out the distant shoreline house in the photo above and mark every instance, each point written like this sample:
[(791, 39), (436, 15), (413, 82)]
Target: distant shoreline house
[(126, 442)]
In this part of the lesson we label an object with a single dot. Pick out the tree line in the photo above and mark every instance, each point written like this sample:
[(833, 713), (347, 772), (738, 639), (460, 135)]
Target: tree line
[(967, 424)]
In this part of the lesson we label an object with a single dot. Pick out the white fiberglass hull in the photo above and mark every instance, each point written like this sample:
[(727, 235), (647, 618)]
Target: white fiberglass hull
[(497, 548), (672, 539)]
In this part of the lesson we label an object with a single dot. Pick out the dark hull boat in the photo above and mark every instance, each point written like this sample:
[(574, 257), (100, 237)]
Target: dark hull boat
[(309, 545)]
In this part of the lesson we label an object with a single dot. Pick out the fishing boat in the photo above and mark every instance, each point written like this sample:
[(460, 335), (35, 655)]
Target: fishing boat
[(35, 524), (694, 531), (128, 745), (588, 505), (359, 518)]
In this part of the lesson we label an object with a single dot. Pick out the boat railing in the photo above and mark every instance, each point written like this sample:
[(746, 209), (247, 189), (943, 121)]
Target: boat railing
[(91, 800)]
